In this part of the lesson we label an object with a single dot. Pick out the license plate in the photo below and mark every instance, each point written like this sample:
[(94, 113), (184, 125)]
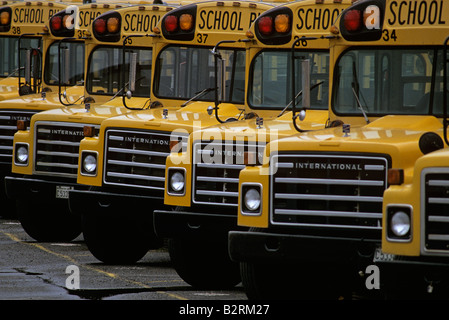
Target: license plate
[(62, 192), (379, 256)]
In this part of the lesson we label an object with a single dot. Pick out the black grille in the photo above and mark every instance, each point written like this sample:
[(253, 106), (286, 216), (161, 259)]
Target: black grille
[(8, 127), (136, 158), (327, 190), (57, 148), (216, 171), (436, 212)]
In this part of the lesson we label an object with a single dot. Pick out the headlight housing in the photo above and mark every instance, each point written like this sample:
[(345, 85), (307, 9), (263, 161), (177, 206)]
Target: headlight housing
[(251, 199), (399, 219), (176, 181), (21, 154), (89, 162)]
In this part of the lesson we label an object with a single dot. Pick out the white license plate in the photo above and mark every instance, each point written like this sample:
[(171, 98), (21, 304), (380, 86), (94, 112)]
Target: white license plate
[(379, 256), (62, 192)]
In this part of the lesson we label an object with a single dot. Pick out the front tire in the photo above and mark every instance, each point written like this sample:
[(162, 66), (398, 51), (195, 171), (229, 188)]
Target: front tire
[(204, 264), (47, 222), (118, 238)]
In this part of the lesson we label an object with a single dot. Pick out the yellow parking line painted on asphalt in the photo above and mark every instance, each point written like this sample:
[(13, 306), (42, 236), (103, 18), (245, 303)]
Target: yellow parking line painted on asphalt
[(109, 274)]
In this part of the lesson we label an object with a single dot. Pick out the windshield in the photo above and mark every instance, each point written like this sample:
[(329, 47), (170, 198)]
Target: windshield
[(384, 81), (9, 60), (185, 71), (270, 79), (76, 63), (105, 70)]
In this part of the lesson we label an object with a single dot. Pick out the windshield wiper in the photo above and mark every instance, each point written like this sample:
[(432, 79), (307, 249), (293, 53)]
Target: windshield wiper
[(359, 104), (355, 86), (299, 93), (197, 95)]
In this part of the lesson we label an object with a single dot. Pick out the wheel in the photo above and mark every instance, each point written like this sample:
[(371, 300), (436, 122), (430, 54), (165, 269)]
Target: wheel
[(204, 264), (291, 281), (118, 238), (48, 222)]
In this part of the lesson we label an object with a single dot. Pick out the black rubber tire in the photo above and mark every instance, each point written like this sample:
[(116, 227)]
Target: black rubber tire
[(118, 238), (48, 222), (204, 264)]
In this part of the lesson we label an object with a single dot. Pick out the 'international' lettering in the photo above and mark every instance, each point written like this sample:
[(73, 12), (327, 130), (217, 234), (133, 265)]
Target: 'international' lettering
[(328, 166), (417, 12)]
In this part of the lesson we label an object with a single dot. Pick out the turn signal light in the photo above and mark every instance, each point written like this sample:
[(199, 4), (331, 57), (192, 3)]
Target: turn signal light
[(89, 131), (21, 125), (186, 22), (113, 25), (5, 18), (282, 23), (67, 21), (395, 176)]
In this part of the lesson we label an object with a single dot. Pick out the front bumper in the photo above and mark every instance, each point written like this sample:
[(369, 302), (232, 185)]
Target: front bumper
[(101, 201), (254, 246), (39, 189), (171, 223)]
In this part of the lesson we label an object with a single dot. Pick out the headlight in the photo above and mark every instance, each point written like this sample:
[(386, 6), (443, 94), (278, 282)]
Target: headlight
[(89, 164), (251, 201), (400, 224), (21, 154), (176, 181)]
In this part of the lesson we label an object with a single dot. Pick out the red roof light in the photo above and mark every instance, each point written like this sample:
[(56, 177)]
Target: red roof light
[(171, 23), (265, 25), (353, 20)]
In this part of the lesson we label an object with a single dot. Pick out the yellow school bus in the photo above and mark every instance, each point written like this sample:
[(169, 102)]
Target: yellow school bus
[(314, 208), (45, 156), (413, 258), (25, 42), (201, 185), (125, 164), (21, 31)]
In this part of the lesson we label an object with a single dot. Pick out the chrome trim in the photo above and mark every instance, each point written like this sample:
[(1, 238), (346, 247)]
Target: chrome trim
[(433, 218)]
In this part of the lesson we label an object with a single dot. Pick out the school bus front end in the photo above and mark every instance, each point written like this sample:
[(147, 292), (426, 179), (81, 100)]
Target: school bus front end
[(414, 256), (202, 182), (134, 147), (320, 210), (45, 155)]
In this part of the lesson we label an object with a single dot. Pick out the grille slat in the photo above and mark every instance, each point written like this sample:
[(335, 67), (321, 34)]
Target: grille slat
[(216, 171), (57, 148), (136, 158), (328, 190), (8, 127), (435, 184)]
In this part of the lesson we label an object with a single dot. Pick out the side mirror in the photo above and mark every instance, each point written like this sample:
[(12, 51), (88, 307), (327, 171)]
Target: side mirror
[(132, 71), (305, 66), (66, 66)]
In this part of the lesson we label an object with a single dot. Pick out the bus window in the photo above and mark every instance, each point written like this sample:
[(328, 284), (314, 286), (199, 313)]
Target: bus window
[(183, 72), (51, 72), (8, 54), (104, 71), (370, 88)]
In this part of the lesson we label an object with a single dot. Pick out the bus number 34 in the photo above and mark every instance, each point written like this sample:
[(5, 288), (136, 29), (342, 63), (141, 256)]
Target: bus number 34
[(389, 35)]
